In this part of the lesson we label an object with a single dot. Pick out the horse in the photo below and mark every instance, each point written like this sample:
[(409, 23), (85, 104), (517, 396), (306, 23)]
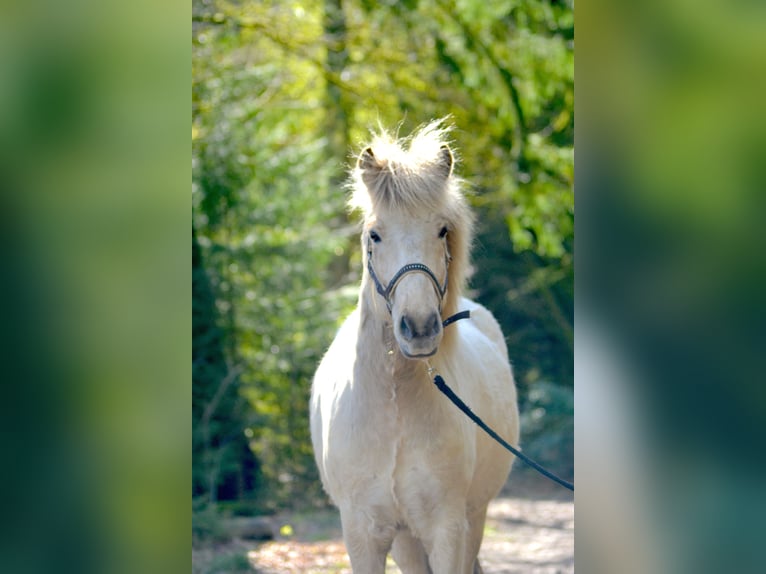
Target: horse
[(410, 474)]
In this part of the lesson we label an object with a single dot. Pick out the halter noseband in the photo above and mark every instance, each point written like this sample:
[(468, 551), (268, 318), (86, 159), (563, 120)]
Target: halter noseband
[(388, 291)]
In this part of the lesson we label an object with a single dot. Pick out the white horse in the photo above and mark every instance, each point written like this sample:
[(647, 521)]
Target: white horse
[(409, 472)]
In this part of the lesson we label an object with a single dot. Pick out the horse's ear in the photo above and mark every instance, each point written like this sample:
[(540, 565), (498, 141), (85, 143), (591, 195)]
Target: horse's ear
[(445, 161), (366, 160), (370, 167)]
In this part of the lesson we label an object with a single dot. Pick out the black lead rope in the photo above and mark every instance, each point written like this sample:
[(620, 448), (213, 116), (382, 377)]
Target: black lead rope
[(450, 394)]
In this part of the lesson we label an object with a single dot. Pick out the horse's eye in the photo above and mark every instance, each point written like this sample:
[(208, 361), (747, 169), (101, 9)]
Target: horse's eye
[(374, 236), (443, 232)]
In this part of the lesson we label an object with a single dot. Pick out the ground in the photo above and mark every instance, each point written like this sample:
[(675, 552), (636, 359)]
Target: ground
[(526, 532)]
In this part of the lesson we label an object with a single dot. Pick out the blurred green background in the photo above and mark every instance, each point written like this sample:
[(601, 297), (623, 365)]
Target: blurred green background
[(94, 196), (283, 96)]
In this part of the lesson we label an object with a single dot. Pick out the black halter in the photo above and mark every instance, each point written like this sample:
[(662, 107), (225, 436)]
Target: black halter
[(388, 291)]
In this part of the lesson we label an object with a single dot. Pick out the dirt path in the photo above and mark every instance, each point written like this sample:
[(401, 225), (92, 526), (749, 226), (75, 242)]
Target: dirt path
[(529, 536), (522, 535)]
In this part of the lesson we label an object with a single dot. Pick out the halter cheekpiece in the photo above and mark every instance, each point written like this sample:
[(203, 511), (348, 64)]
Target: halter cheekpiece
[(387, 291)]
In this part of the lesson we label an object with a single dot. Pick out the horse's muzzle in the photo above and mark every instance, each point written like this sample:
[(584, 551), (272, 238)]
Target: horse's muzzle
[(419, 336), (412, 328)]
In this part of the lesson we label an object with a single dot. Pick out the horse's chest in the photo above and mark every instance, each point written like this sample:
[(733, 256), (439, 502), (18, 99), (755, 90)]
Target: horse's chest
[(360, 456), (396, 458)]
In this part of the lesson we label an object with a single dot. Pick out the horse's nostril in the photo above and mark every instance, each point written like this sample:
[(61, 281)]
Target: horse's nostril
[(433, 326), (406, 328)]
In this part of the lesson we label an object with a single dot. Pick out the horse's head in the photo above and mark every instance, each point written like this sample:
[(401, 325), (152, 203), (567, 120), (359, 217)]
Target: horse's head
[(408, 262), (415, 220)]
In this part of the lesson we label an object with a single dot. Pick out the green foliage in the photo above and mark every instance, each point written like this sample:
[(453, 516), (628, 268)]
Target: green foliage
[(280, 93), (221, 461), (532, 297), (548, 423)]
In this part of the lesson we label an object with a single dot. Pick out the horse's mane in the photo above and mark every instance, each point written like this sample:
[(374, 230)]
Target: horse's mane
[(414, 174)]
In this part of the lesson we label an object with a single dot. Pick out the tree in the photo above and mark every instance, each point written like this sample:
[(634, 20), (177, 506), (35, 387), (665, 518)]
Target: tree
[(223, 466)]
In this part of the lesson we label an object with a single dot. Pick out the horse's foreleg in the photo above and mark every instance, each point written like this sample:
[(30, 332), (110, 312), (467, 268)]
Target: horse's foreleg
[(409, 554), (473, 540), (447, 546), (367, 546)]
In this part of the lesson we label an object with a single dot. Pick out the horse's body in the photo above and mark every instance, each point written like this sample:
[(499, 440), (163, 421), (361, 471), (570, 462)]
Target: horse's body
[(408, 471)]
